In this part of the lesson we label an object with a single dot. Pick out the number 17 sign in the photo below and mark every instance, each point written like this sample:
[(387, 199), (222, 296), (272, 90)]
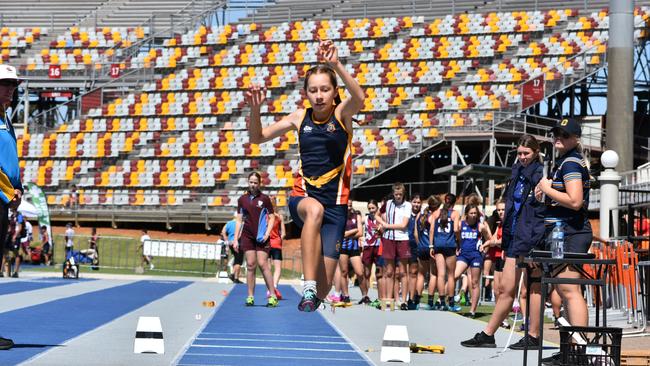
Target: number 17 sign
[(532, 92)]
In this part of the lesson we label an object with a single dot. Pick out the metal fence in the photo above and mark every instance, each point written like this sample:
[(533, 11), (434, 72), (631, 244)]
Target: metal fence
[(124, 254), (121, 254)]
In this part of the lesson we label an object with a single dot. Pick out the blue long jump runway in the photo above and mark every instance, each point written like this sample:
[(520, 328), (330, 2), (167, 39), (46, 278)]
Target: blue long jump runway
[(251, 336), (13, 287), (37, 328)]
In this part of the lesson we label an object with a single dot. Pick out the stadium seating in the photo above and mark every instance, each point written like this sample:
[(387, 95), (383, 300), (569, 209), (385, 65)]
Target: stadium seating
[(80, 48), (14, 41), (183, 137)]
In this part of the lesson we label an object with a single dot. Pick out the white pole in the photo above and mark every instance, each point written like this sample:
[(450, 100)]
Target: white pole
[(26, 108), (609, 181)]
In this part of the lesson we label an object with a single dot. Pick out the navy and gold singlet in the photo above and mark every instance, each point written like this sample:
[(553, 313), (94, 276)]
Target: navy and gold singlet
[(325, 160)]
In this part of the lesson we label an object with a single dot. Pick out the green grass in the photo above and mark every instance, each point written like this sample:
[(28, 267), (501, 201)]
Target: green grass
[(483, 312), (121, 255)]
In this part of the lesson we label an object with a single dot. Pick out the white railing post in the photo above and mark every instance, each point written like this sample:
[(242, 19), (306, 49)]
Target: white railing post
[(609, 181)]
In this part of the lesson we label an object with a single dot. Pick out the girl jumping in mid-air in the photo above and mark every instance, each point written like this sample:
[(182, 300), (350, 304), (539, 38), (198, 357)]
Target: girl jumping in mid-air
[(320, 194)]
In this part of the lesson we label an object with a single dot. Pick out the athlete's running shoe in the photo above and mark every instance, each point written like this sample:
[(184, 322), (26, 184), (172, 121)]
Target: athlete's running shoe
[(556, 323), (278, 295), (480, 340), (376, 304), (309, 301), (250, 301), (272, 302), (403, 306), (463, 299), (530, 342), (332, 298), (6, 343), (555, 359), (454, 307), (412, 305), (364, 300), (345, 299)]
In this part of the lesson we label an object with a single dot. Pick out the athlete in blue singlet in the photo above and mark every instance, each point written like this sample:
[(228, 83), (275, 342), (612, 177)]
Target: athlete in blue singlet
[(351, 253), (410, 279), (322, 188), (471, 231), (426, 266), (443, 248)]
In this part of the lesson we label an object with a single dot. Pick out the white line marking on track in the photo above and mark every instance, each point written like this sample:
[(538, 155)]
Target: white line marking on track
[(189, 342), (346, 338), (266, 340), (274, 335), (275, 348), (265, 356)]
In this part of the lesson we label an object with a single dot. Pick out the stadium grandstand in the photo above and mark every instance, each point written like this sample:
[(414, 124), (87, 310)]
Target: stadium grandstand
[(139, 105)]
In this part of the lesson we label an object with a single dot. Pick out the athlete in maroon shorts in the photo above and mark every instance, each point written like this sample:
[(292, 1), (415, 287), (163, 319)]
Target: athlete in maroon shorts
[(254, 223), (396, 250)]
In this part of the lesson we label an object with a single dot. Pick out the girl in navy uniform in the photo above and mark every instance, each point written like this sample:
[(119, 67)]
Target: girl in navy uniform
[(426, 265), (471, 232), (567, 197), (443, 247), (523, 229), (321, 190), (411, 280), (351, 254)]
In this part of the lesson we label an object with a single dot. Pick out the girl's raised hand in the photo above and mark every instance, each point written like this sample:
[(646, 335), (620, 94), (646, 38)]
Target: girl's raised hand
[(255, 96), (327, 52)]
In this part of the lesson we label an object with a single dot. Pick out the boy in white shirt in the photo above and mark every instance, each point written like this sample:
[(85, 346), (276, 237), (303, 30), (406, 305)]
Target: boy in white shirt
[(395, 240), (146, 258), (69, 242)]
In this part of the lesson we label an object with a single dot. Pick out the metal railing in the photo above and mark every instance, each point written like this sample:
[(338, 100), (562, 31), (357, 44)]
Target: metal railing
[(510, 119), (625, 291), (474, 124), (124, 254), (124, 206)]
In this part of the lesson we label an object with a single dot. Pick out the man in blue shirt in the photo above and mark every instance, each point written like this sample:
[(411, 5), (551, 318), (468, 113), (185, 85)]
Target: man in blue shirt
[(228, 234), (11, 190)]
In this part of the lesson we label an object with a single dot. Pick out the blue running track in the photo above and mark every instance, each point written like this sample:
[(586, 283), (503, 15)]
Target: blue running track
[(13, 287), (37, 328), (252, 336)]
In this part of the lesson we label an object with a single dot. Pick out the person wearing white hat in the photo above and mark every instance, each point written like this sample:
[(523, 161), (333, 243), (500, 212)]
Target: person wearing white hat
[(11, 189)]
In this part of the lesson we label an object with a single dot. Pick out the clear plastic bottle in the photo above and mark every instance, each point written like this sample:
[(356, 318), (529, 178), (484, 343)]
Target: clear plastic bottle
[(557, 241)]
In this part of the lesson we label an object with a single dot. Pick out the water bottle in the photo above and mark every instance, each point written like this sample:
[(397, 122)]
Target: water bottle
[(557, 241)]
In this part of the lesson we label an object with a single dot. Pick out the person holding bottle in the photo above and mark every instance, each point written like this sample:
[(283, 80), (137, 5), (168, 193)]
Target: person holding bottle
[(566, 195)]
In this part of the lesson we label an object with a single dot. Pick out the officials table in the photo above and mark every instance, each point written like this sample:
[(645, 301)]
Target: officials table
[(551, 267)]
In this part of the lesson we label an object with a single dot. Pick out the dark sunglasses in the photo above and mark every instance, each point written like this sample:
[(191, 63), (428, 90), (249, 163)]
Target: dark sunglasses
[(8, 82)]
